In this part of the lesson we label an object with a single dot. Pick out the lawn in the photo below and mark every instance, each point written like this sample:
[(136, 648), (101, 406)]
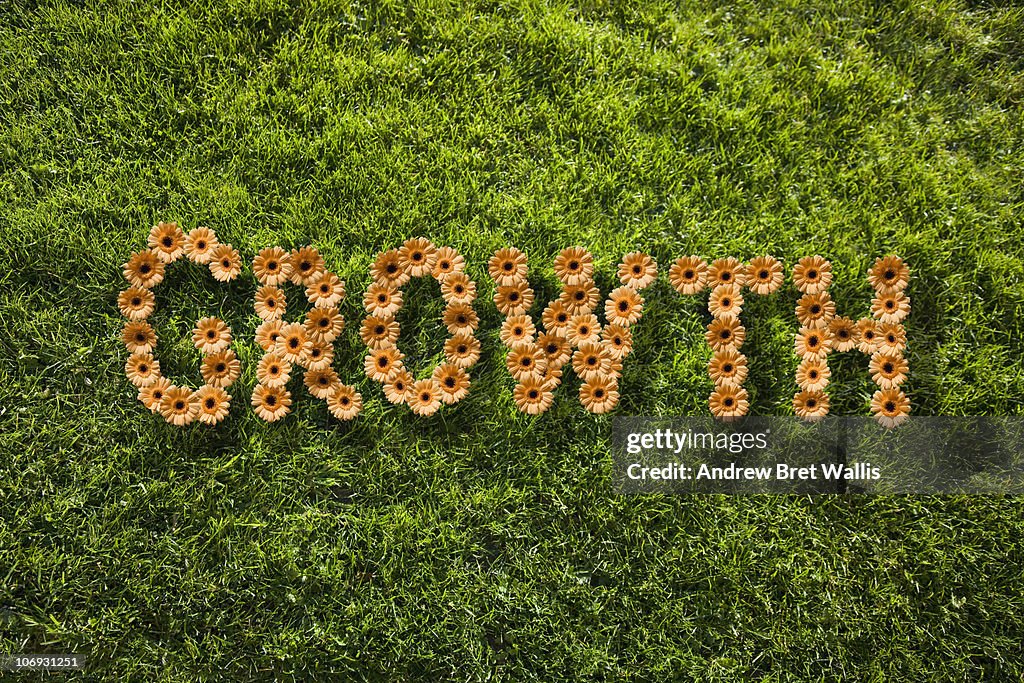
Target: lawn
[(480, 543)]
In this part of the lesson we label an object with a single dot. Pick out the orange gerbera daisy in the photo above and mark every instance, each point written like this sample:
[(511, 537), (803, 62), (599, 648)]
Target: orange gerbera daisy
[(726, 301), (815, 310), (513, 299), (810, 405), (138, 337), (526, 359), (398, 387), (454, 382), (460, 319), (381, 364), (447, 263), (225, 263), (458, 288), (271, 403), (418, 255), (307, 265), (152, 394), (764, 275), (889, 274), (324, 324), (377, 332), (844, 334), (507, 267), (813, 342), (272, 266), (319, 357), (688, 275), (812, 274), (268, 333), (582, 298), (532, 395), (325, 290), (179, 406), (136, 303), (813, 374), (144, 270), (211, 335), (892, 339), (321, 383), (142, 369), (600, 394), (728, 402), (517, 329), (273, 370), (270, 302), (425, 397), (637, 270), (556, 318), (728, 368), (293, 344), (725, 334), (167, 240), (618, 341), (624, 306), (213, 404), (221, 369), (590, 361), (199, 245), (574, 266), (890, 407), (556, 349), (584, 328), (727, 271), (382, 300), (891, 307), (345, 403), (388, 269), (462, 350), (888, 371), (867, 336)]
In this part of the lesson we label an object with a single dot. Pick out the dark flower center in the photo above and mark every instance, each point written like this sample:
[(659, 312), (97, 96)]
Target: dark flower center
[(811, 403), (890, 407), (526, 362), (688, 274), (271, 303), (533, 394), (305, 265), (143, 368), (392, 269), (144, 269), (623, 306), (598, 393), (449, 382), (889, 275), (591, 360), (140, 337), (513, 297), (324, 322), (728, 402), (637, 270), (461, 350), (887, 368), (843, 334), (461, 319), (812, 341), (136, 302), (725, 276), (727, 368), (179, 405), (293, 342), (763, 274), (617, 341), (379, 330), (562, 317), (271, 265), (201, 245), (168, 242), (724, 334), (892, 338), (726, 302), (580, 296), (417, 256), (157, 394), (584, 331), (869, 335), (271, 400), (890, 303), (345, 400), (813, 374), (551, 349), (220, 368), (382, 298), (425, 397), (210, 403), (324, 289), (226, 263), (517, 332), (812, 274), (508, 265), (459, 289), (444, 265), (210, 334), (382, 362), (574, 265), (815, 309), (322, 381)]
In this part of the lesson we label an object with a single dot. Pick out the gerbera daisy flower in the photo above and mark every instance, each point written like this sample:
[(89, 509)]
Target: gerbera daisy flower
[(556, 349), (321, 383), (458, 288), (590, 361), (517, 329), (460, 319), (179, 406), (815, 310), (377, 332), (270, 302), (319, 356), (637, 270), (398, 387), (574, 266), (624, 306), (381, 364), (890, 407), (462, 350), (688, 275), (813, 374), (727, 271), (889, 274), (267, 333), (307, 264), (447, 263), (325, 290), (582, 298), (213, 404), (152, 394), (507, 267), (425, 397), (388, 269), (844, 334), (143, 269), (454, 382), (618, 341), (225, 263), (513, 299), (272, 266), (273, 370), (728, 368), (892, 339), (142, 369), (138, 337), (211, 335), (552, 378), (764, 275), (583, 328), (324, 324), (199, 245), (526, 359), (812, 274), (810, 405), (556, 318), (345, 403), (888, 371), (891, 307), (600, 394), (728, 402), (725, 334), (293, 344), (867, 336), (418, 255), (136, 303), (532, 395), (271, 403), (221, 369), (383, 301), (725, 301), (813, 342), (167, 240)]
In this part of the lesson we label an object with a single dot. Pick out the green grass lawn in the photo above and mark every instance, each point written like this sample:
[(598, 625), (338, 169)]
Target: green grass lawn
[(482, 543)]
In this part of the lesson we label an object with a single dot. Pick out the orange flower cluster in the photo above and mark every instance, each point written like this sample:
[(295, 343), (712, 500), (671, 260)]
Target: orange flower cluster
[(220, 368), (449, 382), (309, 344)]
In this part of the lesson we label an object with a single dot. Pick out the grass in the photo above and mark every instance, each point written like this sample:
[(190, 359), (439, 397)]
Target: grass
[(483, 544)]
